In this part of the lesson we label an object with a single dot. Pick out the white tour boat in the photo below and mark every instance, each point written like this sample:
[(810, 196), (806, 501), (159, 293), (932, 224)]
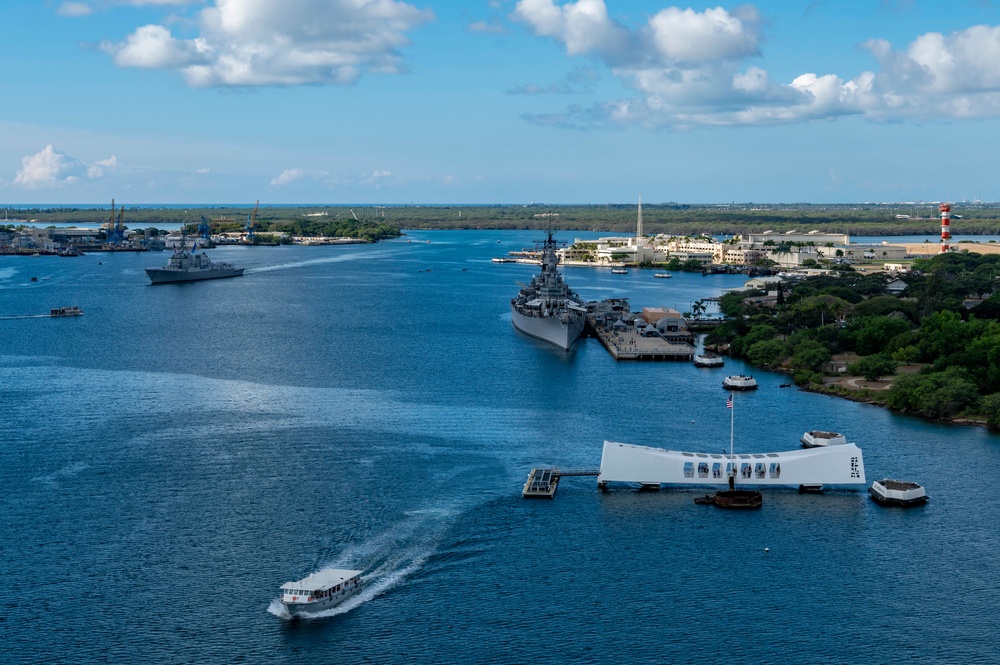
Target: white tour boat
[(739, 383), (708, 361), (619, 271), (320, 591), (663, 275), (889, 492), (818, 439), (66, 311)]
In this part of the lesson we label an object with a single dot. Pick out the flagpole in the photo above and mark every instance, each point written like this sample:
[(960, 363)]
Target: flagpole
[(732, 422)]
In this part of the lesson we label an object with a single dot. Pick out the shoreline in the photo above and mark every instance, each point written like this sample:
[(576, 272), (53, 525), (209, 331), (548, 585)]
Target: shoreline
[(868, 396)]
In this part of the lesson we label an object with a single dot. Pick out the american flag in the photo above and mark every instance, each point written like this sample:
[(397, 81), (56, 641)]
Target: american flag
[(729, 401)]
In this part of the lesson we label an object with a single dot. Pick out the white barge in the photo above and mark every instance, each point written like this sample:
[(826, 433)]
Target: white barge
[(813, 468), (320, 591), (819, 439), (739, 383), (903, 493), (704, 360)]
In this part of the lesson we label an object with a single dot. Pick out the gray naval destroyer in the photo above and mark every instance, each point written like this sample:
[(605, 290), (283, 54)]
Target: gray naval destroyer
[(190, 266), (546, 308)]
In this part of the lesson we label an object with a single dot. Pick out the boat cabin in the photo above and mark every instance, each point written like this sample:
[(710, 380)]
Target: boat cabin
[(320, 586)]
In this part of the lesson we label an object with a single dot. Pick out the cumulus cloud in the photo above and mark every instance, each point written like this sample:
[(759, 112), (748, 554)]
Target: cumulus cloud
[(100, 167), (582, 26), (690, 68), (73, 9), (288, 176), (48, 168), (293, 42)]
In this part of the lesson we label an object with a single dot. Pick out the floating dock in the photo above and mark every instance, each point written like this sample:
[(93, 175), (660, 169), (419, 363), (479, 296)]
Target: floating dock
[(631, 345), (542, 482)]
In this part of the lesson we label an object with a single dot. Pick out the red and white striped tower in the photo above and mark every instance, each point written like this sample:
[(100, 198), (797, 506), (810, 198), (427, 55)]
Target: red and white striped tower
[(945, 227)]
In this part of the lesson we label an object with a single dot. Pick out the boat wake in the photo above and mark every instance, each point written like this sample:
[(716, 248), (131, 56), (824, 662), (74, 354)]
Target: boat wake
[(329, 259), (67, 471), (391, 557)]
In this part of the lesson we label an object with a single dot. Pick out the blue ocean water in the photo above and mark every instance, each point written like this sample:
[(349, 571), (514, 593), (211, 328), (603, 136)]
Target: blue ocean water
[(174, 455)]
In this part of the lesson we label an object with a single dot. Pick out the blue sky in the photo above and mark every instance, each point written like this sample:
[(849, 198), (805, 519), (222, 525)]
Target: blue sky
[(498, 101)]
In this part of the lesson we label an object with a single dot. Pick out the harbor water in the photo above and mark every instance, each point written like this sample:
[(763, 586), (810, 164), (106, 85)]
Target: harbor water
[(174, 455)]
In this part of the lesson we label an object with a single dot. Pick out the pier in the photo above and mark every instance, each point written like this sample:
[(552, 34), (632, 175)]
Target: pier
[(630, 344), (542, 482)]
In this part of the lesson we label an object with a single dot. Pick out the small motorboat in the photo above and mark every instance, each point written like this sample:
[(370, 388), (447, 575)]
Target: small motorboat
[(903, 493), (619, 271), (732, 499), (663, 275), (66, 311), (819, 439)]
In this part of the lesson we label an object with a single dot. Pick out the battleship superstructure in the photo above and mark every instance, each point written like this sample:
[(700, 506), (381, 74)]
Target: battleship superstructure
[(190, 266), (546, 308)]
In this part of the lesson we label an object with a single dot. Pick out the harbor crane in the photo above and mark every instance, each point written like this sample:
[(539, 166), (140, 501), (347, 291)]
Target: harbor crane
[(252, 221), (115, 230), (204, 230)]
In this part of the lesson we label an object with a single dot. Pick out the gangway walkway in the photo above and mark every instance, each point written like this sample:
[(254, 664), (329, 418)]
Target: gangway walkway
[(542, 482)]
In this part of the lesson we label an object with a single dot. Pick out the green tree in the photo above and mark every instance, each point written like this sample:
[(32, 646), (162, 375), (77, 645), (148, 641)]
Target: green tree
[(991, 407), (873, 367), (767, 353), (873, 334), (935, 395), (810, 355), (884, 305), (760, 333)]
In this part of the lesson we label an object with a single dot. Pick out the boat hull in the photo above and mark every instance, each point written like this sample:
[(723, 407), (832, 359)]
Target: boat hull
[(299, 609), (707, 362), (550, 329), (735, 386), (161, 276), (898, 493)]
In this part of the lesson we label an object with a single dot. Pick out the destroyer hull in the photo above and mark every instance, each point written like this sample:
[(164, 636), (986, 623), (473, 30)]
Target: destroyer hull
[(550, 329), (161, 276)]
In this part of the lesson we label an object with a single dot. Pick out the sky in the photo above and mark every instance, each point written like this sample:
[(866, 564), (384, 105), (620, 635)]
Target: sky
[(498, 101)]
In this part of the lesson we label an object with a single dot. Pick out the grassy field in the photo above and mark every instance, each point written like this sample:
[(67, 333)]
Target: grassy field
[(859, 219)]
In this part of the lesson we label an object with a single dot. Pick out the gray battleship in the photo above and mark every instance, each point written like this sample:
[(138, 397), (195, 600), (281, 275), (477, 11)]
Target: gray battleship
[(190, 266), (546, 308)]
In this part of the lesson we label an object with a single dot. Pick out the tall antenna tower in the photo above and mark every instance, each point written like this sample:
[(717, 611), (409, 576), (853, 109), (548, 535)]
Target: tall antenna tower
[(638, 225), (945, 227)]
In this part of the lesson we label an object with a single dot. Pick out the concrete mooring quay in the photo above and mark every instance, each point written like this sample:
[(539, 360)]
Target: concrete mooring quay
[(629, 343), (542, 482)]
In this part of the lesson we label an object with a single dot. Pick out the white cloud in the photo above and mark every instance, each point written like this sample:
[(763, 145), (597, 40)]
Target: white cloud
[(48, 168), (714, 34), (262, 42), (153, 47), (582, 26), (73, 9), (288, 176), (689, 68), (489, 27), (98, 168), (381, 174)]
